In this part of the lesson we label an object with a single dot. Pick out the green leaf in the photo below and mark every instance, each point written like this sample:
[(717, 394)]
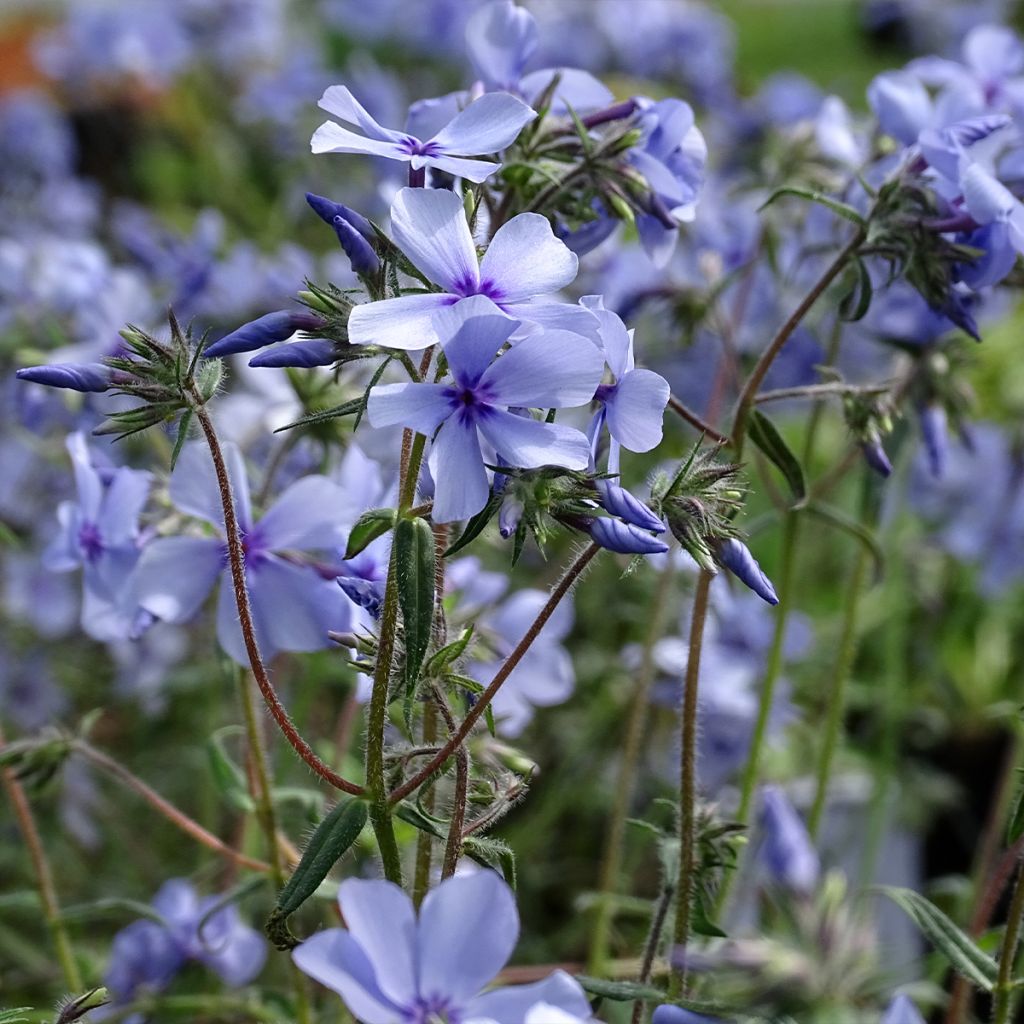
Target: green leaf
[(1016, 827), (332, 838), (228, 777), (414, 564), (841, 521), (183, 425), (844, 210), (450, 652), (475, 526), (961, 952), (370, 525), (492, 853), (14, 1016), (620, 991), (856, 302), (349, 408), (764, 434)]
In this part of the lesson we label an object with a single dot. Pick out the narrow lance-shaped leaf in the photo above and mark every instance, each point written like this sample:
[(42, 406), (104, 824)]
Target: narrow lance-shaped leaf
[(961, 952), (370, 525), (414, 563), (332, 838), (475, 526), (844, 210), (765, 435)]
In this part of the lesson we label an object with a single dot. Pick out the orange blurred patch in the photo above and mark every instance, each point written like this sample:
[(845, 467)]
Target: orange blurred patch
[(17, 66)]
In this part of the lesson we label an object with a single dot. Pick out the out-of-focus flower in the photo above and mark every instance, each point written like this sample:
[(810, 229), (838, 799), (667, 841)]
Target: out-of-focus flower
[(787, 853)]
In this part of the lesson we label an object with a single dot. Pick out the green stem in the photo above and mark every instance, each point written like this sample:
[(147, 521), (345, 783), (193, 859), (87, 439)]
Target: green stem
[(1004, 990), (44, 876), (688, 783), (425, 841), (837, 694), (611, 863)]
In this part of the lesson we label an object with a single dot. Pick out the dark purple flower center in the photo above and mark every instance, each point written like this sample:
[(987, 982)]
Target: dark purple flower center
[(90, 540), (434, 1010), (414, 147)]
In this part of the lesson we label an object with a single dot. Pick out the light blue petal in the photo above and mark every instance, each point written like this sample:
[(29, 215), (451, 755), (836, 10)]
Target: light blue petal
[(525, 259), (381, 919), (487, 125), (123, 502), (306, 516), (529, 444), (457, 466), (576, 87), (986, 199), (174, 575), (471, 332), (421, 407), (636, 409), (500, 39), (333, 138), (511, 1005), (429, 226), (340, 102), (460, 167), (553, 370), (404, 323), (87, 480), (193, 487), (336, 960), (468, 928)]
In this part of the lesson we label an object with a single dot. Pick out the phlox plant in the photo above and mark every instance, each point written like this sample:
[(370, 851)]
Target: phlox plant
[(523, 471)]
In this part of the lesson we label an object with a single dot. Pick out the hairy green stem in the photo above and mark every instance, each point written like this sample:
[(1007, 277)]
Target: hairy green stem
[(1002, 1003), (425, 841), (611, 861), (44, 876), (688, 784)]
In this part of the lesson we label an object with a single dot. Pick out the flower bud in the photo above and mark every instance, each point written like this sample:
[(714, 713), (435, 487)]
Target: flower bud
[(265, 330), (624, 538), (509, 516), (875, 457), (669, 1014), (935, 435), (619, 502), (306, 354), (76, 1009), (327, 210), (359, 251), (786, 849), (85, 377), (735, 556)]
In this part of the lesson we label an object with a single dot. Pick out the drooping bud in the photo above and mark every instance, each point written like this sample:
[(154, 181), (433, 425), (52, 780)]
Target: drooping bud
[(624, 538), (327, 210), (509, 516), (361, 254), (935, 434), (875, 457), (306, 354), (265, 330), (84, 377), (735, 556), (368, 594), (787, 853), (619, 502)]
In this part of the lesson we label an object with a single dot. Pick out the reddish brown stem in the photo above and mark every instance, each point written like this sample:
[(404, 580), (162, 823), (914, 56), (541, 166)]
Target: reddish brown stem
[(561, 589), (236, 560)]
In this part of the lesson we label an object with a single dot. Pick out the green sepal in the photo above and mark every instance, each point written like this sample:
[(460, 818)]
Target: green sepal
[(370, 525)]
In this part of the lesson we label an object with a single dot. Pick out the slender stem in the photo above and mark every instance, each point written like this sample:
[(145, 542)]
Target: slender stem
[(425, 841), (165, 807), (563, 586), (820, 391), (688, 783), (236, 560), (837, 693), (264, 796), (44, 876), (756, 378), (1004, 989), (453, 846), (687, 414), (611, 861), (651, 945)]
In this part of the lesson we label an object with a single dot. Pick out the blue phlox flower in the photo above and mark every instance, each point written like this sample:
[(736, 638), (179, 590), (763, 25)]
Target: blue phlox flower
[(552, 370), (524, 260), (295, 601), (671, 158), (146, 956), (99, 533), (787, 854), (392, 966), (487, 125)]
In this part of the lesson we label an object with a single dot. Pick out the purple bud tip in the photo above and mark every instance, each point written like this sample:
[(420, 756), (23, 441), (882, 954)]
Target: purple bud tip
[(304, 354), (266, 330), (875, 457), (619, 502), (359, 251), (509, 517), (327, 210), (624, 538), (616, 112), (935, 434), (736, 557), (85, 377), (669, 1014)]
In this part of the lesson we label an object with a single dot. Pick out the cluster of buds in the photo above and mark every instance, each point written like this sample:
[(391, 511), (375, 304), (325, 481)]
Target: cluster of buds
[(870, 418), (700, 503)]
